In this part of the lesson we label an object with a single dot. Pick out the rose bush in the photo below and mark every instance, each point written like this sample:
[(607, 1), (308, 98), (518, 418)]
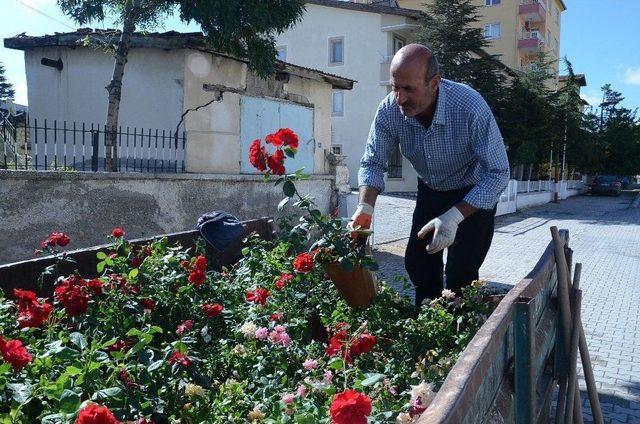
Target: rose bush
[(149, 342)]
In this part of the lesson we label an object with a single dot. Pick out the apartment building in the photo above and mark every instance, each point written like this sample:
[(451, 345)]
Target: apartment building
[(518, 29)]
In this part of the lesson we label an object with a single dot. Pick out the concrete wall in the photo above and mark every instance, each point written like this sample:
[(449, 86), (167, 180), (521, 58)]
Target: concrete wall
[(87, 206), (151, 94), (365, 48), (526, 200)]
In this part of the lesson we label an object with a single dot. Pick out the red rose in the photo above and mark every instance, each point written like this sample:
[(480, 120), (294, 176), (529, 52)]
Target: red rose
[(197, 277), (350, 407), (95, 285), (14, 353), (276, 162), (363, 344), (117, 232), (200, 263), (34, 315), (128, 381), (212, 309), (180, 358), (303, 262), (135, 262), (288, 137), (276, 316), (184, 327), (283, 281), (148, 303), (258, 156), (259, 295), (120, 346), (274, 139), (337, 346), (25, 296), (56, 238), (96, 414), (72, 294)]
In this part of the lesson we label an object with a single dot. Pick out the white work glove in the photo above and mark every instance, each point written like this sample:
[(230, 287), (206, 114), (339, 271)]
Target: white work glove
[(361, 217), (444, 227)]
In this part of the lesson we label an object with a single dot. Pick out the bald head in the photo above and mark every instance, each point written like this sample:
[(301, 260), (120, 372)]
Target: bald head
[(416, 57)]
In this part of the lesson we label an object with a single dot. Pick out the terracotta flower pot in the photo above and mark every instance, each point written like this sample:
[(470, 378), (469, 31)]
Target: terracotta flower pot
[(357, 287)]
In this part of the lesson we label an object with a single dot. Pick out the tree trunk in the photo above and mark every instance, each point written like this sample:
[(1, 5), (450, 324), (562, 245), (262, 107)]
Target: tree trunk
[(115, 87), (530, 172)]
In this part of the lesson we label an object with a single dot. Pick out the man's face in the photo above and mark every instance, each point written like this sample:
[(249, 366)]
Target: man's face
[(412, 93)]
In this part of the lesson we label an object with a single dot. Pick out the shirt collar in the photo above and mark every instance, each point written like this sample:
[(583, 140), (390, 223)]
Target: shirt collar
[(441, 103)]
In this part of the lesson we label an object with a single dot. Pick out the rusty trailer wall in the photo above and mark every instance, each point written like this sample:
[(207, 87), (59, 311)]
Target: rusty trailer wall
[(507, 372)]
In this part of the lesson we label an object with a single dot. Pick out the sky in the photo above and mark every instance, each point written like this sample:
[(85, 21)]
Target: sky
[(600, 38)]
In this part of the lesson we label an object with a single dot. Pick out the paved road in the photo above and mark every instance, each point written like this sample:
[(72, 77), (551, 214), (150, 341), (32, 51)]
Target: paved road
[(605, 237)]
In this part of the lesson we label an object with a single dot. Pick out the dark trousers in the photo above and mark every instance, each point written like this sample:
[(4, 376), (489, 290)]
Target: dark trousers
[(464, 256)]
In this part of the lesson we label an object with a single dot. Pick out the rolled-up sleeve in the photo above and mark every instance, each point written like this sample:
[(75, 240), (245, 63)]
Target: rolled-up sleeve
[(380, 144), (488, 146)]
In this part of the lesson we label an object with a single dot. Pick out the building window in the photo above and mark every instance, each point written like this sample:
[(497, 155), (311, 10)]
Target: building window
[(336, 51), (282, 53), (492, 30), (491, 2), (337, 103), (556, 46), (398, 43), (394, 170), (548, 37), (557, 16), (549, 5), (336, 149)]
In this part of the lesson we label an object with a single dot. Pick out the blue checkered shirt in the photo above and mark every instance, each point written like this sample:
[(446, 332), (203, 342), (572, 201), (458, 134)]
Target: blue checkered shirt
[(462, 147)]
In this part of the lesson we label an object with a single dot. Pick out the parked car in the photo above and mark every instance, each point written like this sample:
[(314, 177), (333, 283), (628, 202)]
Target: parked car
[(606, 184)]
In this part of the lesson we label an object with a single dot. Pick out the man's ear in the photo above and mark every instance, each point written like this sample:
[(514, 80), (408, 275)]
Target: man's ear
[(435, 82)]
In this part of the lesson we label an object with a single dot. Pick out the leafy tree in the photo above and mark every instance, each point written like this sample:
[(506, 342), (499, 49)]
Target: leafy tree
[(6, 89), (245, 28), (450, 30)]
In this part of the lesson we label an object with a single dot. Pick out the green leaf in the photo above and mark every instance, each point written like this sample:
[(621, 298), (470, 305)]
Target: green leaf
[(20, 392), (155, 365), (283, 202), (346, 264), (69, 401), (133, 332), (106, 393), (100, 266), (305, 418), (57, 350), (78, 339), (288, 188), (71, 370), (337, 364), (101, 255), (371, 379), (133, 273), (245, 251), (290, 152)]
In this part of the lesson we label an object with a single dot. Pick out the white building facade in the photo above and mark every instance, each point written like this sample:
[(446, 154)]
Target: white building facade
[(356, 41)]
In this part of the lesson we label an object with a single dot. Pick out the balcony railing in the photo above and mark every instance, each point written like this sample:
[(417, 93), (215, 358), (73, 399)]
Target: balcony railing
[(532, 11), (531, 42)]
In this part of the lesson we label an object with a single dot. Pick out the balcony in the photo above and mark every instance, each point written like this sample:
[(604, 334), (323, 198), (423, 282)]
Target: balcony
[(532, 11), (531, 43)]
